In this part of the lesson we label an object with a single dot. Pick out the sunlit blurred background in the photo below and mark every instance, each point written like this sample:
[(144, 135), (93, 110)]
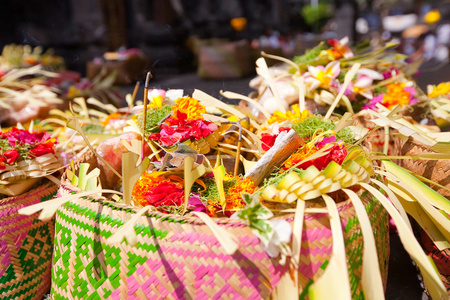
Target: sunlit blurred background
[(173, 36)]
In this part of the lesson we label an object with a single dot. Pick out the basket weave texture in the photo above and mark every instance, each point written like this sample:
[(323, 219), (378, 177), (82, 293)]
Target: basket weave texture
[(436, 170), (179, 257), (25, 246)]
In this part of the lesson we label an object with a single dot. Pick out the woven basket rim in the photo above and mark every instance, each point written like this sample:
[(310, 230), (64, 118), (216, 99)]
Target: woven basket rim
[(190, 218), (44, 184)]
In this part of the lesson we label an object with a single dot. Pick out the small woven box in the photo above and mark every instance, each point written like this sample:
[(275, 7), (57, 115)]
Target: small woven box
[(26, 245)]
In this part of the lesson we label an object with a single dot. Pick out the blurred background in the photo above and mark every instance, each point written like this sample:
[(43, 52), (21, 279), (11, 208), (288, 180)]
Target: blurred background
[(181, 36)]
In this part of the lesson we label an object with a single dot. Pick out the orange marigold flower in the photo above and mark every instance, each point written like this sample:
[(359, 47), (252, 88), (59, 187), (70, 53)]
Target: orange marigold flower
[(298, 156), (189, 106), (234, 198), (396, 95), (442, 88)]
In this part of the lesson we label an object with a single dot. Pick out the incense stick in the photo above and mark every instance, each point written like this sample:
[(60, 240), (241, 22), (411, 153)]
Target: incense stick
[(146, 87)]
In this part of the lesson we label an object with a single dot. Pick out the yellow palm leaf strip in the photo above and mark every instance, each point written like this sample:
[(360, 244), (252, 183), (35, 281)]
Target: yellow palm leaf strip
[(429, 224), (428, 269), (371, 277), (394, 200), (263, 70), (131, 173), (297, 238), (280, 58), (73, 123), (232, 95), (347, 80), (190, 176), (49, 207), (209, 101), (334, 282), (439, 228)]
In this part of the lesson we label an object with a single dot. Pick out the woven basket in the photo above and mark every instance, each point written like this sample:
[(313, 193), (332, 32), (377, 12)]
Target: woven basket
[(438, 171), (25, 246), (179, 258)]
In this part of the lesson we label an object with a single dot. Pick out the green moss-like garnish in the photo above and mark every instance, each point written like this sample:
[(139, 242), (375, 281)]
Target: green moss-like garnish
[(153, 118), (310, 54), (306, 128), (212, 192), (92, 129)]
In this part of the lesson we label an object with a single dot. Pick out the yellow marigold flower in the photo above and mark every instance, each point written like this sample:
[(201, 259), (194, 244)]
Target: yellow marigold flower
[(279, 117), (441, 89), (190, 106)]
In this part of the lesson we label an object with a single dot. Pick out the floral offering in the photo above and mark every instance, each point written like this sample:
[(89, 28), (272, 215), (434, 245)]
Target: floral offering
[(26, 156)]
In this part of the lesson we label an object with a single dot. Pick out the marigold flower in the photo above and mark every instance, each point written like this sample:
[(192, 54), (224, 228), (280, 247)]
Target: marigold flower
[(234, 199), (279, 117), (442, 88), (189, 106), (397, 95)]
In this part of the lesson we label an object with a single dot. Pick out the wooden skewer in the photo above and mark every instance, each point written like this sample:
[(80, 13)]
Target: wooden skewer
[(146, 87), (136, 87)]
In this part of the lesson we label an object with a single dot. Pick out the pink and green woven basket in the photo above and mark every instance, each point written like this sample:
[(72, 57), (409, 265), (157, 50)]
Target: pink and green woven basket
[(25, 247), (179, 257)]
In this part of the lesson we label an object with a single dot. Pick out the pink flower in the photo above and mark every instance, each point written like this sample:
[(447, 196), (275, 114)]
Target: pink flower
[(363, 86), (372, 104)]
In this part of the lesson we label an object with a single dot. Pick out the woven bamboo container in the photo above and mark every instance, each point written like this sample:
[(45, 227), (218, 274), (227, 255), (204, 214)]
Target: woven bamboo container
[(439, 172), (26, 245), (436, 170), (178, 257)]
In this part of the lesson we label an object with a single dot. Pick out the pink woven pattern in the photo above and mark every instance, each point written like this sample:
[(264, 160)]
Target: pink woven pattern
[(189, 262), (11, 223), (25, 247)]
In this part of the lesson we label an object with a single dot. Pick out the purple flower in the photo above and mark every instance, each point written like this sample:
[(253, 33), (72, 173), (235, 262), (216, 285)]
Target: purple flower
[(372, 104), (390, 73)]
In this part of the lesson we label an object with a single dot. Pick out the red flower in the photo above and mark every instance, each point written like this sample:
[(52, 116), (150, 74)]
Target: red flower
[(42, 149), (336, 153), (180, 129), (268, 140), (2, 163), (11, 156), (167, 193)]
